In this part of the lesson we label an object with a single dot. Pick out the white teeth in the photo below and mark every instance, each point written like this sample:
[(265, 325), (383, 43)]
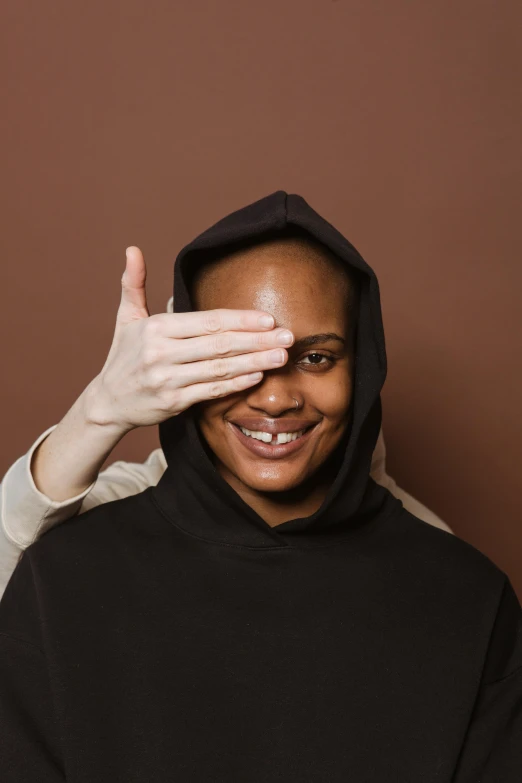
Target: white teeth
[(282, 437)]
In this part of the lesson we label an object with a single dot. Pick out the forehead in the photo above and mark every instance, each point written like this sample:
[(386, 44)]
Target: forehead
[(302, 288)]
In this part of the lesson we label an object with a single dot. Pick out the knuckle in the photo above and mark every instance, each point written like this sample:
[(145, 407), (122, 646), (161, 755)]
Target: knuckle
[(169, 399), (259, 361), (152, 326), (218, 368), (212, 320), (156, 379), (150, 355), (260, 340), (216, 389), (222, 344)]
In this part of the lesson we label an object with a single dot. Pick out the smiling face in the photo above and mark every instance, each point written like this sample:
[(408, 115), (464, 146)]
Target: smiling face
[(308, 291)]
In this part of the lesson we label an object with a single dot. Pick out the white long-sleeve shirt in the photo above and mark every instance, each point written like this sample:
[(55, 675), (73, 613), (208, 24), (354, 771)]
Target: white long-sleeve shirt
[(26, 513)]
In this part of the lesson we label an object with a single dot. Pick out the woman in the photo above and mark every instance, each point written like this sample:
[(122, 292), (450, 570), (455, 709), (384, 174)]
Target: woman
[(59, 476), (267, 611)]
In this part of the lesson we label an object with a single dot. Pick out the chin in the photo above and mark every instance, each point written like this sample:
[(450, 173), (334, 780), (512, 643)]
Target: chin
[(272, 480)]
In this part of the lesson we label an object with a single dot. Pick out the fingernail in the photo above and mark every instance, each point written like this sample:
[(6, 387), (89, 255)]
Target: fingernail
[(284, 337), (266, 320), (277, 357)]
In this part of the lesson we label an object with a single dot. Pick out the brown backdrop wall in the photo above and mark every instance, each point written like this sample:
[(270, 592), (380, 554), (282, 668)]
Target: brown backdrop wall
[(143, 122)]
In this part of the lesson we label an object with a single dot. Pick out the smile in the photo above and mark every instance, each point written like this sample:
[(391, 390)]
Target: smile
[(267, 437), (264, 444)]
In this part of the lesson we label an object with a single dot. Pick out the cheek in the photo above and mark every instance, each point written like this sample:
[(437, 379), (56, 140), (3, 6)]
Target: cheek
[(331, 395), (214, 409), (209, 412)]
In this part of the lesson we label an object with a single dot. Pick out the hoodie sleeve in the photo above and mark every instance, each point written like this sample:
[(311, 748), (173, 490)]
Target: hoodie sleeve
[(492, 749), (24, 510), (411, 504), (29, 736)]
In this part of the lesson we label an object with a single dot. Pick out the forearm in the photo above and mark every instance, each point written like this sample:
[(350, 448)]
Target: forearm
[(70, 458)]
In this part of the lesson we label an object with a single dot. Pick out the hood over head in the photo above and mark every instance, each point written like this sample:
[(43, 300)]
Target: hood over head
[(194, 491)]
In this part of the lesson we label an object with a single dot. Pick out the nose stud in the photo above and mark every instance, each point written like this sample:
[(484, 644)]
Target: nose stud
[(272, 398)]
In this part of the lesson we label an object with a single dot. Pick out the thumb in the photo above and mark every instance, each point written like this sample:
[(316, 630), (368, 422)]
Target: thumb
[(133, 304)]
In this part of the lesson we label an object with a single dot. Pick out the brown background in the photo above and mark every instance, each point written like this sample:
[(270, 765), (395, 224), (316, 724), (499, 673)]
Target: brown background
[(143, 122)]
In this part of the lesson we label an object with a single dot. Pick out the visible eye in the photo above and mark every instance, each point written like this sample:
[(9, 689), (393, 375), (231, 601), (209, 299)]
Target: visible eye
[(317, 357)]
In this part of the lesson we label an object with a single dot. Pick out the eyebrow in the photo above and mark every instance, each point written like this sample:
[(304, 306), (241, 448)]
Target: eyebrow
[(314, 339)]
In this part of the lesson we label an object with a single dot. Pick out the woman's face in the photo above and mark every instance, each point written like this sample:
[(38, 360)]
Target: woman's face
[(307, 294)]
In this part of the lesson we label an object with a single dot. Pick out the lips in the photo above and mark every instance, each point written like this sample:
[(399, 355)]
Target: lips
[(273, 425), (267, 450)]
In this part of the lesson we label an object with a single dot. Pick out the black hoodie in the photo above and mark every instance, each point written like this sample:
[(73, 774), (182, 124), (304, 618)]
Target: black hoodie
[(175, 636)]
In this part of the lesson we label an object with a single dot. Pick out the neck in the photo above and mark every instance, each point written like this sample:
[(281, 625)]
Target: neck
[(300, 501), (278, 507)]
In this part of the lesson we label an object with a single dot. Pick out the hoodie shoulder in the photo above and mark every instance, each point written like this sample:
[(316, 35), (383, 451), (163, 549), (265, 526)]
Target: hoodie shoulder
[(104, 527), (443, 557)]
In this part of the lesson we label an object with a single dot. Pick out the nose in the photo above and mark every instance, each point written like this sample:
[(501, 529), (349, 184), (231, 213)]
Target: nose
[(275, 394)]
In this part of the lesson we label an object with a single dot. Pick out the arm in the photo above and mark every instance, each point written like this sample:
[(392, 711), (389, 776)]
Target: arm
[(27, 506), (67, 462), (50, 482), (138, 386), (492, 748)]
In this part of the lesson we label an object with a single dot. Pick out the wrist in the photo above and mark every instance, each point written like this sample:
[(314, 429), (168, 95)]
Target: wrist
[(97, 410)]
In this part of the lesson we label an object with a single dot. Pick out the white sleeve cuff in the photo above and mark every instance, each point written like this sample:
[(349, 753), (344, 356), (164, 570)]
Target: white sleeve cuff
[(25, 511)]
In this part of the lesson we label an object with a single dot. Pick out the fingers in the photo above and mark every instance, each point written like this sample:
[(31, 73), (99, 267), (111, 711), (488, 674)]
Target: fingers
[(213, 370), (197, 392), (202, 322), (225, 344), (218, 352)]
